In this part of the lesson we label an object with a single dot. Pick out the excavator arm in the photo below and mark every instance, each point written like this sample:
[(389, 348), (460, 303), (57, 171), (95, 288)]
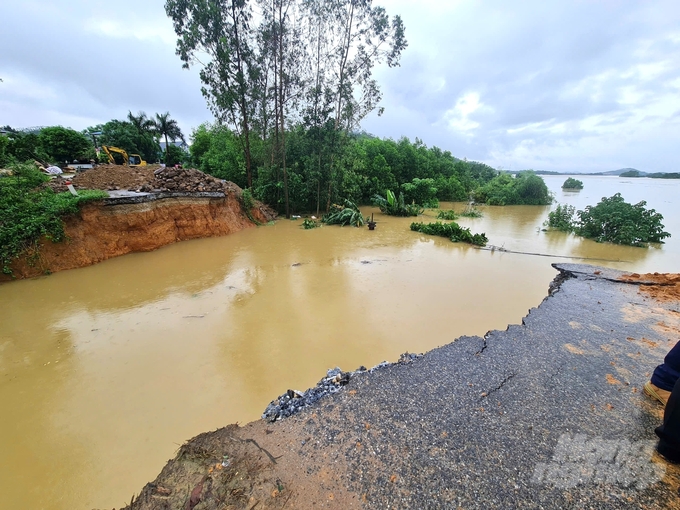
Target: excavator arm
[(131, 160)]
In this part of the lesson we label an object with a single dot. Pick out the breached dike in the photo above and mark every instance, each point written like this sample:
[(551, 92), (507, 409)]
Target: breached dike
[(548, 413), (143, 222), (294, 401)]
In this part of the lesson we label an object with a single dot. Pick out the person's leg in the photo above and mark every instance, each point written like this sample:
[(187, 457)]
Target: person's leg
[(669, 432), (666, 375)]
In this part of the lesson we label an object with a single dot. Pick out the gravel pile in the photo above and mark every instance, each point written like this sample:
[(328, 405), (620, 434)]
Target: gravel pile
[(293, 401), (149, 179), (183, 180)]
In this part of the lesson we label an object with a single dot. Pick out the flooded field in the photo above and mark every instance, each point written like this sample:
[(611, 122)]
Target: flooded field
[(106, 370)]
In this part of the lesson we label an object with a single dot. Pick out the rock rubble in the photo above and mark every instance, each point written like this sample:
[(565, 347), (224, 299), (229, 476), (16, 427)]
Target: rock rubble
[(293, 400)]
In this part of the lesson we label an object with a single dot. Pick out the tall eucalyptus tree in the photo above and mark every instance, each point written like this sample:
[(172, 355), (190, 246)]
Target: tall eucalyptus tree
[(281, 45), (346, 40), (221, 31)]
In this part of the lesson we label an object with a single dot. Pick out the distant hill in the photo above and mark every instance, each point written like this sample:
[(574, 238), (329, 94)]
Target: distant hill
[(620, 171)]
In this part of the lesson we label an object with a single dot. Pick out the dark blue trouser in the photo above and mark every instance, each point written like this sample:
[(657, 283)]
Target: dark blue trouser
[(665, 376), (669, 432)]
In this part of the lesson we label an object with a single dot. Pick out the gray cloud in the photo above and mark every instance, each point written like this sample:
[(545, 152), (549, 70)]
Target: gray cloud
[(549, 85)]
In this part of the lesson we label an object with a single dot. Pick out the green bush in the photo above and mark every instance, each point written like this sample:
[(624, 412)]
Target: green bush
[(393, 206), (450, 189), (615, 221), (449, 214), (176, 156), (27, 213), (309, 223), (526, 188), (562, 218), (471, 212), (349, 214), (4, 154), (64, 144), (451, 230), (421, 191), (572, 183)]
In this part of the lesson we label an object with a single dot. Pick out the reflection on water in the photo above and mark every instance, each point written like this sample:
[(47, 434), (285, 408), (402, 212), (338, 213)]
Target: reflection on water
[(105, 370)]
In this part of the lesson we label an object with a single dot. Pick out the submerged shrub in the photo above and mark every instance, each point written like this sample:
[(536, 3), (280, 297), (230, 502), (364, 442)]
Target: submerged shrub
[(449, 214), (615, 221), (471, 212), (572, 183), (562, 218), (393, 206), (612, 220), (309, 224), (349, 214), (451, 230)]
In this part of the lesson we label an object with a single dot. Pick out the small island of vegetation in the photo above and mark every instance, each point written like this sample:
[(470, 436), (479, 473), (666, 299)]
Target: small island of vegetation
[(572, 184), (612, 220), (452, 230)]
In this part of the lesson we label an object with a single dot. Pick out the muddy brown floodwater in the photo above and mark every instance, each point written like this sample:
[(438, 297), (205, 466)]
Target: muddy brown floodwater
[(106, 370)]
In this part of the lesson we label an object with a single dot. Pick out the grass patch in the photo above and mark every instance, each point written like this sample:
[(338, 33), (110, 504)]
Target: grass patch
[(28, 212)]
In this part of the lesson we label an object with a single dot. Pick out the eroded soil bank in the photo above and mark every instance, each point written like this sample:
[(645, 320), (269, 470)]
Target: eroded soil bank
[(119, 226), (547, 414)]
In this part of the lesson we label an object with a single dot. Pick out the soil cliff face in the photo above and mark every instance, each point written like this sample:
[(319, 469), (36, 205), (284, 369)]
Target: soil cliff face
[(99, 232)]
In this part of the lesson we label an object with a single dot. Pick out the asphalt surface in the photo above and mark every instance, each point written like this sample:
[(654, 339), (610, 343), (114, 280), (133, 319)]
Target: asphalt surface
[(547, 414)]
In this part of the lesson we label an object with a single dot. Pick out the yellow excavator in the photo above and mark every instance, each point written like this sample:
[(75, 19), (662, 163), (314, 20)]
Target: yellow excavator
[(131, 160)]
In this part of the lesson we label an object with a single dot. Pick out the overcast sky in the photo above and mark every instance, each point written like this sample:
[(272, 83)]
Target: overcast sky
[(550, 85)]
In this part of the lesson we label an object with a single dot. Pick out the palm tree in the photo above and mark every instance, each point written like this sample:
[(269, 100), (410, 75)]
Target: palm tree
[(167, 127), (141, 122)]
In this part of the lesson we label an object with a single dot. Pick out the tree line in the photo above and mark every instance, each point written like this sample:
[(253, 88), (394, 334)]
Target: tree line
[(364, 166), (289, 82), (138, 134), (270, 67)]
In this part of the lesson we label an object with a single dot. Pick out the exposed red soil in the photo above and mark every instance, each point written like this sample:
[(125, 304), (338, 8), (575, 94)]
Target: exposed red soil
[(663, 287), (285, 464), (99, 232)]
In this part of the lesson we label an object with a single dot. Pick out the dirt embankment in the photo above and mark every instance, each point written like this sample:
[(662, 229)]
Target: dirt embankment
[(101, 231), (663, 287)]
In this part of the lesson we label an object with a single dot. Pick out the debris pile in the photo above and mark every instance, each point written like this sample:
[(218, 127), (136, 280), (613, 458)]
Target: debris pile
[(149, 179), (108, 178), (183, 180), (293, 401)]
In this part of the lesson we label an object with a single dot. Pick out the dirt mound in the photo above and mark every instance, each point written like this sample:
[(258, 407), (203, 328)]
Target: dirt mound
[(108, 177), (150, 179), (114, 177), (221, 470), (660, 286), (183, 179)]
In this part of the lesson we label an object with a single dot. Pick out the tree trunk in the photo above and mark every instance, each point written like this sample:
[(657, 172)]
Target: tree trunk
[(242, 97), (279, 43)]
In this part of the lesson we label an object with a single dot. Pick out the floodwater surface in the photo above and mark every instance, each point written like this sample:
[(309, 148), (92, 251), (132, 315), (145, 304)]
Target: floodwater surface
[(106, 370)]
